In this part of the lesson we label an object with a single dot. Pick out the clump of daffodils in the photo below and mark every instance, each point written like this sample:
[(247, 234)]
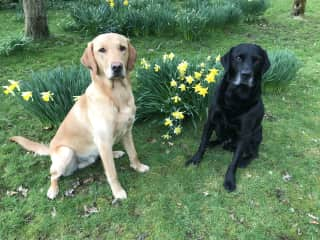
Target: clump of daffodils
[(14, 89), (113, 3), (178, 88)]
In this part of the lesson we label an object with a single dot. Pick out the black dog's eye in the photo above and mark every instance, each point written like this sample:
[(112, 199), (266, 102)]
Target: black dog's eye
[(122, 48), (239, 58), (256, 60), (102, 50)]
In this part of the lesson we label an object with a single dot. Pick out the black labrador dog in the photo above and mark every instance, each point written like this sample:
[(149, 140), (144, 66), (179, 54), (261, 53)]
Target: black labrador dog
[(237, 110)]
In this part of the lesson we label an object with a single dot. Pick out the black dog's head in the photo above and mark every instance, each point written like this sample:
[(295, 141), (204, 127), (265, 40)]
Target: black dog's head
[(245, 64)]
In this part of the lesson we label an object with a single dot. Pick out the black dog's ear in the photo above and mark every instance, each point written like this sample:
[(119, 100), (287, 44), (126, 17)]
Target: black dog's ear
[(266, 62), (226, 60)]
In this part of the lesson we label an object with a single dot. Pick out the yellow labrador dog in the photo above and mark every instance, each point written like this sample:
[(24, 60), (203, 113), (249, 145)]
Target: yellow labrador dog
[(102, 116)]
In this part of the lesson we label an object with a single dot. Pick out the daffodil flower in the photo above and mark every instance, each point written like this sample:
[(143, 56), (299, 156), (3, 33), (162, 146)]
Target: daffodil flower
[(182, 68), (168, 122), (177, 130), (218, 58), (171, 56), (214, 71), (197, 75), (14, 85), (189, 79), (76, 98), (145, 64), (165, 57), (173, 83), (208, 58), (211, 77), (178, 115), (125, 3), (156, 68), (166, 136), (47, 96), (202, 65), (111, 3), (203, 91), (176, 99), (197, 88), (9, 90), (26, 95), (182, 87)]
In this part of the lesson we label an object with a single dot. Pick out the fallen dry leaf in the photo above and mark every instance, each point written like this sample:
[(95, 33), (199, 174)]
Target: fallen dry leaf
[(53, 212), (89, 210), (286, 177), (206, 193), (23, 191), (11, 193)]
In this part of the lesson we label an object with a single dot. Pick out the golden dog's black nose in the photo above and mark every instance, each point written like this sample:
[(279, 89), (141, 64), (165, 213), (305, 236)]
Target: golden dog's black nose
[(117, 68)]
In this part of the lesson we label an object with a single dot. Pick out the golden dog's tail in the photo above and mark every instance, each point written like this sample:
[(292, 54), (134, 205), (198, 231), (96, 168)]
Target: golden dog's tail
[(29, 145)]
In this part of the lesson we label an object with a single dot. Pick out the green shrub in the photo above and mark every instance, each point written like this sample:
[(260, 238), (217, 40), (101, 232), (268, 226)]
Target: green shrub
[(253, 8), (164, 89), (13, 44), (283, 70), (95, 19), (63, 83), (192, 23), (151, 17)]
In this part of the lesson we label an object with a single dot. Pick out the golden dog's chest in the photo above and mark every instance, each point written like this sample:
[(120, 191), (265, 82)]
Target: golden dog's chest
[(124, 122)]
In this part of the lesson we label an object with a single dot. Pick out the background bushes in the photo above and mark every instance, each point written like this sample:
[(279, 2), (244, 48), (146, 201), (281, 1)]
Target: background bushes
[(191, 19)]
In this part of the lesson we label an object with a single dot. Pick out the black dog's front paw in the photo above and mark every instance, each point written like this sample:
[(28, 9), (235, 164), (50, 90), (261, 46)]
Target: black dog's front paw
[(195, 160), (229, 184)]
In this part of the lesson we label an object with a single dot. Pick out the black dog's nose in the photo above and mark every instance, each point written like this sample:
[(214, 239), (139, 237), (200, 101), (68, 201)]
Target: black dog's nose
[(246, 74), (116, 67)]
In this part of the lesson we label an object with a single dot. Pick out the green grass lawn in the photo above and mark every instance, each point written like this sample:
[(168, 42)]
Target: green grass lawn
[(171, 201)]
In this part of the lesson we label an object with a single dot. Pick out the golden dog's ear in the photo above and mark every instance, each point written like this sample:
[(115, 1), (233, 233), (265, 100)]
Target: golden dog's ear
[(89, 60), (132, 57)]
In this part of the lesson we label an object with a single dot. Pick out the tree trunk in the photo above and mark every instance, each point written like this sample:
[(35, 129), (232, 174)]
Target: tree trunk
[(298, 7), (36, 24)]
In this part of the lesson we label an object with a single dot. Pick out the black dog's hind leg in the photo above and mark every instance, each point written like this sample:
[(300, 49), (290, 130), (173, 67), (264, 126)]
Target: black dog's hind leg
[(206, 134), (230, 179)]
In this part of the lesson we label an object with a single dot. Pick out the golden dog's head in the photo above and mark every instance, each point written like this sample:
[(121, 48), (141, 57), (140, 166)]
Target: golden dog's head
[(109, 55)]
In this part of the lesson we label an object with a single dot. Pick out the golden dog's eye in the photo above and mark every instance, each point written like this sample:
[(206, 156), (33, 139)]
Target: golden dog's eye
[(122, 48), (102, 50)]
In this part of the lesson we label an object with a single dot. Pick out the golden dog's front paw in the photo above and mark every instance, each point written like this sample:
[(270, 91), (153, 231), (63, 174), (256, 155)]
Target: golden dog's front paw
[(140, 168), (120, 194), (118, 154), (52, 192)]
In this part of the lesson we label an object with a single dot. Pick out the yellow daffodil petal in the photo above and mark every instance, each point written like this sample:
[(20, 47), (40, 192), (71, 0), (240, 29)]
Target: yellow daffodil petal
[(197, 75), (218, 58), (182, 87), (168, 122), (176, 99), (189, 79), (173, 83), (177, 115), (177, 130), (26, 95), (156, 68), (47, 96)]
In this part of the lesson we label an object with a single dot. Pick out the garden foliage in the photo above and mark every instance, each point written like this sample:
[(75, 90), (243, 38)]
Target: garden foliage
[(169, 89), (146, 17), (13, 44)]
